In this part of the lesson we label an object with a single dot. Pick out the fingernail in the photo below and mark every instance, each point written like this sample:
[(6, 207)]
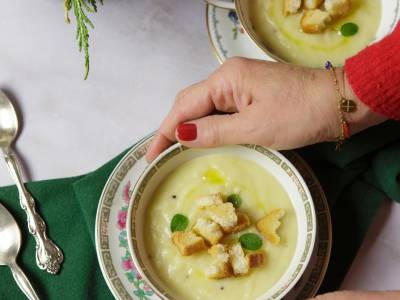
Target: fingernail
[(187, 132)]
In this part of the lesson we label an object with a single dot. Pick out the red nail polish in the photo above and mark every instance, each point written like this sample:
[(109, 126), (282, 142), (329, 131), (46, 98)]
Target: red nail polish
[(187, 132)]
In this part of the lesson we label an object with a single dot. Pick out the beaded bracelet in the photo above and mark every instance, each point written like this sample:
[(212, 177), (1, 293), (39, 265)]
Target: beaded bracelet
[(344, 105)]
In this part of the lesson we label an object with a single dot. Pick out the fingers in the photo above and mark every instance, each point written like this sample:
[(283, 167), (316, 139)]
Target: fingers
[(191, 103), (214, 130), (158, 144), (341, 295), (356, 295), (200, 100)]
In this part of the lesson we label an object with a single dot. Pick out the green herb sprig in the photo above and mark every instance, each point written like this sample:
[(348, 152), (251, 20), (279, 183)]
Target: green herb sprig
[(179, 222), (80, 7), (235, 199), (250, 241), (348, 29)]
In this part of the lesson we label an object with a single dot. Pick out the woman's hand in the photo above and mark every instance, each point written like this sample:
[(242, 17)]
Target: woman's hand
[(351, 295), (276, 105)]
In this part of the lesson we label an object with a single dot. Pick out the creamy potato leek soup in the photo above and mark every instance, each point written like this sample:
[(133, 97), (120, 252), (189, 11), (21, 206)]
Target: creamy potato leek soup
[(310, 37), (244, 259)]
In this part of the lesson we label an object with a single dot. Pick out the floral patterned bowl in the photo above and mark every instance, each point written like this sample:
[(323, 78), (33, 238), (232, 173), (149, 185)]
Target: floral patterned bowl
[(275, 163)]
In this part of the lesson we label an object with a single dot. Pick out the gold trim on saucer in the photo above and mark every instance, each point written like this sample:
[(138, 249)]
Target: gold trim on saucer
[(323, 244)]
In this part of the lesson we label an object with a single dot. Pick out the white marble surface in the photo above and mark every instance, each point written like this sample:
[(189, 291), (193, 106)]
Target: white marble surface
[(142, 53)]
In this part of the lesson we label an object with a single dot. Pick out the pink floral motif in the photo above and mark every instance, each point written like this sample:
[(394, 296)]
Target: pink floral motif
[(122, 219), (138, 286), (125, 193), (128, 264), (146, 288)]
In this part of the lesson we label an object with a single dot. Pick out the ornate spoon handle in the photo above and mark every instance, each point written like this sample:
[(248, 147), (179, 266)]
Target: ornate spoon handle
[(48, 255)]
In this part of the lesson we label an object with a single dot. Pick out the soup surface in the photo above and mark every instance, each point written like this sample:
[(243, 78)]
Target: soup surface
[(184, 276), (284, 38)]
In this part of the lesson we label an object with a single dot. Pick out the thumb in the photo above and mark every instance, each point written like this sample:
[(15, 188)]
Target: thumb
[(212, 131)]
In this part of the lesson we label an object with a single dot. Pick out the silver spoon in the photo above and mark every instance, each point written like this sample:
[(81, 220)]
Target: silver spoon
[(10, 242), (48, 255)]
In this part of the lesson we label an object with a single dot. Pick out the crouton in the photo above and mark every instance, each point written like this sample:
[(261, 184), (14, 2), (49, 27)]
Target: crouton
[(219, 251), (223, 214), (209, 230), (221, 268), (243, 222), (187, 242), (270, 224), (213, 199), (255, 259), (337, 8), (315, 21), (291, 7), (237, 259), (312, 4)]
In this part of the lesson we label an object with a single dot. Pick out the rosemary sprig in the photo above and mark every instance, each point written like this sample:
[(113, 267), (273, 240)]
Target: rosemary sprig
[(82, 22)]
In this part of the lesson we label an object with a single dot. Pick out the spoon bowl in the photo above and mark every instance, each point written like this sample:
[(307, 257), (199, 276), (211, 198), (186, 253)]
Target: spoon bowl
[(10, 242), (8, 121), (10, 234)]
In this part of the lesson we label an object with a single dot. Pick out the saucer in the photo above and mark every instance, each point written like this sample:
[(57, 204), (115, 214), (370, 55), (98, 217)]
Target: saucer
[(113, 254), (227, 36)]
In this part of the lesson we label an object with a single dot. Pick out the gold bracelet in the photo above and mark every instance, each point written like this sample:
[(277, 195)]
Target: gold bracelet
[(344, 105)]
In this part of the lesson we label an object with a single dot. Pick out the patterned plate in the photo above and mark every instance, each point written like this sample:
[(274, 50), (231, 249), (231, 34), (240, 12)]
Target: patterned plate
[(227, 36), (111, 239)]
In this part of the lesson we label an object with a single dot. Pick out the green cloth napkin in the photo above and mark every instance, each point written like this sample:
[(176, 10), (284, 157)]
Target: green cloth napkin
[(355, 180)]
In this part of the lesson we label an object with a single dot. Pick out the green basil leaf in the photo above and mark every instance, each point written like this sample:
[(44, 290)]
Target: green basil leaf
[(250, 241), (235, 199), (179, 223), (349, 29)]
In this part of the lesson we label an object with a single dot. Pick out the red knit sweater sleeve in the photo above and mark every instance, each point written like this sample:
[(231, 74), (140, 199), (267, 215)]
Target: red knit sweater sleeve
[(374, 75)]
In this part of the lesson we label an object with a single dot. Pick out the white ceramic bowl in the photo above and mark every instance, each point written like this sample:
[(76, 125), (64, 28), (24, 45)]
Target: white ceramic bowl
[(274, 162)]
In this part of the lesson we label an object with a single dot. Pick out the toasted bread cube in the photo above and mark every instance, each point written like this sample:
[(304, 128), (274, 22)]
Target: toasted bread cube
[(224, 214), (187, 242), (291, 7), (270, 224), (312, 4), (213, 199), (255, 259), (243, 222), (315, 21), (209, 230), (337, 8), (237, 259), (221, 268), (220, 252)]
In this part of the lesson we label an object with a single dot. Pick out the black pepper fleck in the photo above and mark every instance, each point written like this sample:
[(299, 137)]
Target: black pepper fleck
[(173, 196), (222, 288)]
